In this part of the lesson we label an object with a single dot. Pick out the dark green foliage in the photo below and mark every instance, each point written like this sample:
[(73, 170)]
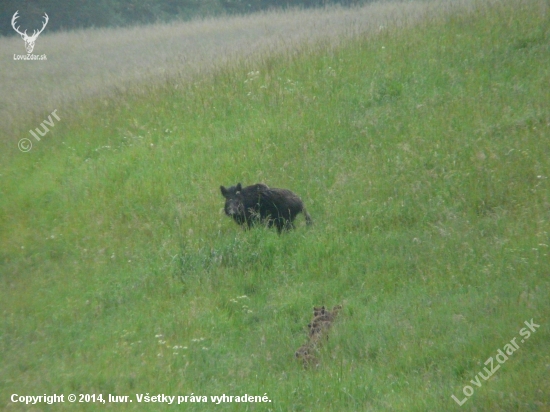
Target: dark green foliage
[(82, 14)]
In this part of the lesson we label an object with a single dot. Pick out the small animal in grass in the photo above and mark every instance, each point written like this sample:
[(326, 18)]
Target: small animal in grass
[(260, 203), (318, 329), (321, 313), (322, 321), (307, 354), (318, 333)]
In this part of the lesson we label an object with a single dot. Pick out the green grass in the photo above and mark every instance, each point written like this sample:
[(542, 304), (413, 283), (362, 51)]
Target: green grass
[(422, 155), (101, 63)]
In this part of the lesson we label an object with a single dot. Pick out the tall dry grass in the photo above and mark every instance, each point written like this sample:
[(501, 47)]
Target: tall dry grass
[(98, 62)]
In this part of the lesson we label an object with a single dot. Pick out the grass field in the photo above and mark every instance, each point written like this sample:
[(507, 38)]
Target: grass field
[(422, 154), (105, 62)]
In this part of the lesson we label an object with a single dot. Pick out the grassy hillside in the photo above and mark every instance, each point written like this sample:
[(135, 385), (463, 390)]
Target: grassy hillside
[(422, 154), (100, 63)]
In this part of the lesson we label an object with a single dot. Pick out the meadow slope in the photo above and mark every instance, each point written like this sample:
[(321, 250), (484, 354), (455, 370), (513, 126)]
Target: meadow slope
[(106, 62), (422, 154)]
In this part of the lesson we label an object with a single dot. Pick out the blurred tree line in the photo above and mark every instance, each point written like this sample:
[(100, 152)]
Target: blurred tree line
[(76, 14)]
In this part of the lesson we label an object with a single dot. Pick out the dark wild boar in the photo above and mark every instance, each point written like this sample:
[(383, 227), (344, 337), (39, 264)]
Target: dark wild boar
[(259, 203)]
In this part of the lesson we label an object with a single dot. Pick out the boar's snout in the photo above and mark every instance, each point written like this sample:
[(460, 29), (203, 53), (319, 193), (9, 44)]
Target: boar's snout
[(232, 208)]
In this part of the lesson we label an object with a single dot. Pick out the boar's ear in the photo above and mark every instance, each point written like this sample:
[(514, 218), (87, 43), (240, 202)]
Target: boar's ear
[(224, 191), (239, 187)]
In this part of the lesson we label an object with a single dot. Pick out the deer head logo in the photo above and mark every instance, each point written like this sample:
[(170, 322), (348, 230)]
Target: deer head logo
[(29, 40)]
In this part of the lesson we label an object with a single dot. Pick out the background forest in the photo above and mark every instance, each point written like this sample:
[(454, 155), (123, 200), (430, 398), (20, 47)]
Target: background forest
[(104, 13)]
